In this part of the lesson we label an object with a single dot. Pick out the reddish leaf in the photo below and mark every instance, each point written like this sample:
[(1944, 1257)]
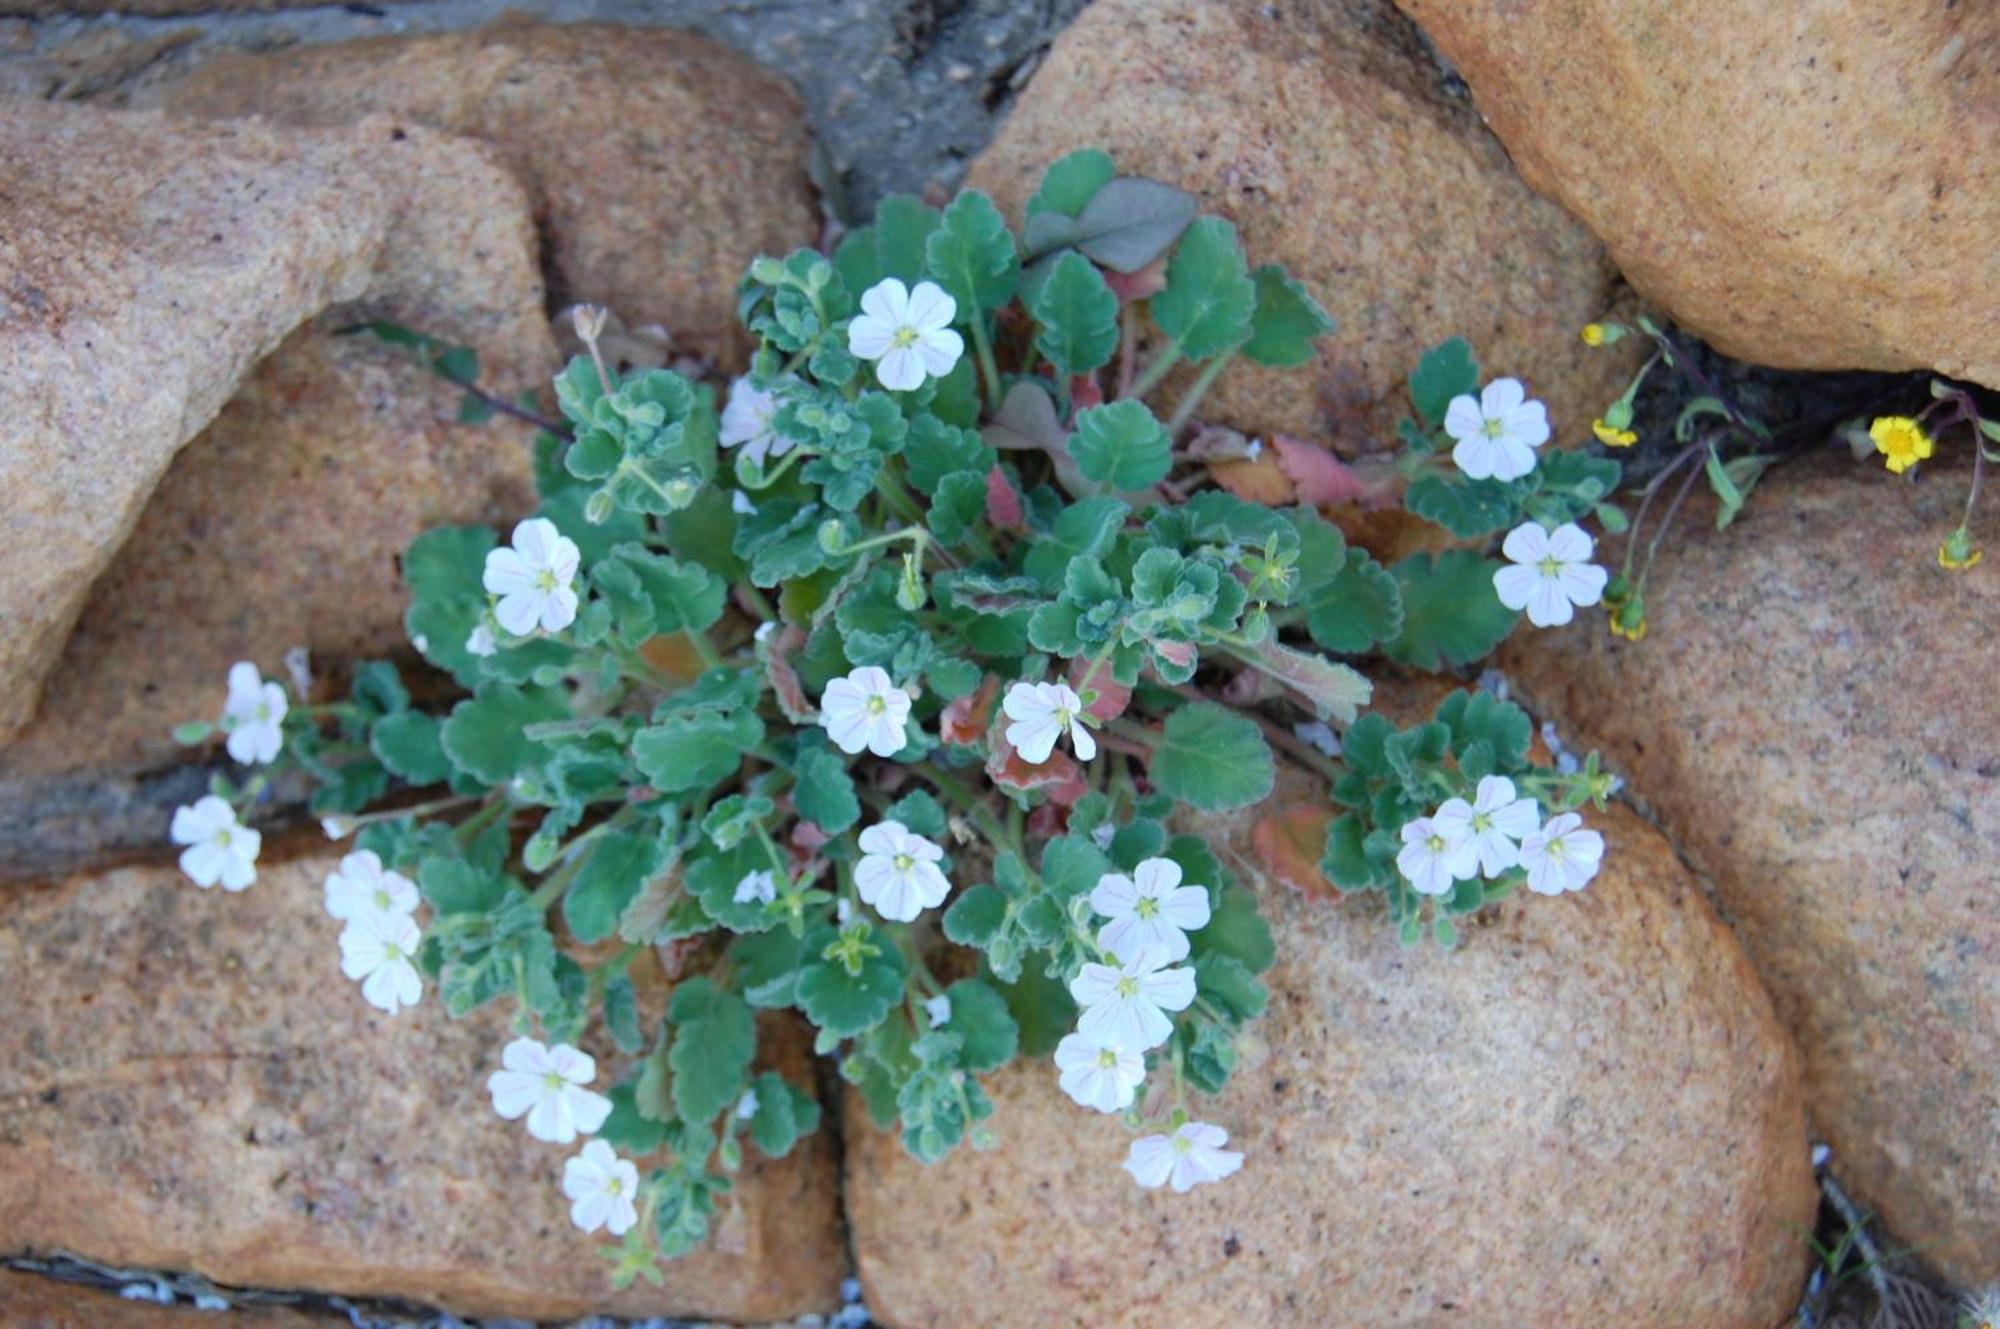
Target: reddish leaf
[(1003, 505), (808, 837), (775, 649), (1059, 776), (1109, 697), (1320, 478), (1289, 843), (1143, 284), (965, 720), (1084, 392)]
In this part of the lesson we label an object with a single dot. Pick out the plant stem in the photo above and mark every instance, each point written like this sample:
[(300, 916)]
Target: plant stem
[(1154, 372), (1196, 391), (982, 345)]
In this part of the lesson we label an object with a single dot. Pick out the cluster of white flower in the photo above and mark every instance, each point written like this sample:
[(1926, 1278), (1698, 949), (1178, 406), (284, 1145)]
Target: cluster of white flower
[(378, 947), (1494, 437), (547, 1085), (216, 848), (1495, 833), (866, 712), (1041, 714), (534, 576), (1125, 1003)]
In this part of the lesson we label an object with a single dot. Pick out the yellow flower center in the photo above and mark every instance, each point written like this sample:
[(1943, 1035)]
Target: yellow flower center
[(877, 705), (615, 1186), (1128, 987), (1550, 565), (1182, 1145), (1147, 907), (381, 899), (222, 839), (553, 1080), (904, 337), (1107, 1058), (545, 580), (1494, 428), (1557, 850), (903, 862), (1434, 842)]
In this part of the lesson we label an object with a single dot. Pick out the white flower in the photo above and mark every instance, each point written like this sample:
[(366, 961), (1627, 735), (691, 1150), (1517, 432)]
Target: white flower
[(1190, 1156), (865, 710), (1320, 735), (378, 951), (219, 849), (1125, 1007), (1432, 859), (533, 579), (756, 887), (938, 1009), (898, 872), (1561, 856), (1498, 432), (253, 716), (1493, 823), (361, 885), (545, 1084), (336, 828), (1099, 1075), (906, 332), (1041, 712), (1149, 910), (602, 1190), (740, 504), (746, 422), (481, 641), (746, 1106), (1551, 572), (843, 911)]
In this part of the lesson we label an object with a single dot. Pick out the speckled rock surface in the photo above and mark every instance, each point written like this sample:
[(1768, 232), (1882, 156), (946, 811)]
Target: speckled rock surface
[(149, 264), (1323, 132), (660, 163), (190, 1084), (32, 1301), (1810, 185), (283, 523), (1587, 1116), (1812, 718)]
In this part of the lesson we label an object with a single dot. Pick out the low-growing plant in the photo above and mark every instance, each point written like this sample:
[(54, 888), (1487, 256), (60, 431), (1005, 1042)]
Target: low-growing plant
[(876, 693)]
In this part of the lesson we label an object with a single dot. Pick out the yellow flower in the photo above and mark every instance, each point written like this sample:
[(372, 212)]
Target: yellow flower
[(1612, 438), (1618, 629), (1901, 440), (1593, 334)]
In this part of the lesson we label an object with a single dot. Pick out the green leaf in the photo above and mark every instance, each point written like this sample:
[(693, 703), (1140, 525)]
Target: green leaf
[(484, 735), (1451, 614), (1079, 317), (621, 1013), (1481, 717), (619, 864), (1236, 929), (1229, 984), (1072, 181), (627, 1129), (694, 750), (919, 811), (977, 915), (1043, 1010), (844, 1004), (1446, 370), (825, 792), (685, 597), (936, 450), (1127, 224), (1356, 607), (1346, 862), (410, 745), (1121, 445), (1466, 508), (1212, 758), (715, 1035), (1209, 297), (958, 509), (971, 254), (1084, 529), (442, 568), (980, 1017), (903, 227), (1335, 691), (454, 886), (712, 878), (1285, 321), (784, 1115)]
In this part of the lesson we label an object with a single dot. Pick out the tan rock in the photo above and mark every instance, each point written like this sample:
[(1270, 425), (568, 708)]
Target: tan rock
[(1321, 132), (660, 162), (1812, 719), (1814, 185), (35, 1301), (264, 1127), (149, 264), (1588, 1115)]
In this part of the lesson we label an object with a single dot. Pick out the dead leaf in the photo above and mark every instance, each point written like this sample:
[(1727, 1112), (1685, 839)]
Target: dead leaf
[(1289, 843)]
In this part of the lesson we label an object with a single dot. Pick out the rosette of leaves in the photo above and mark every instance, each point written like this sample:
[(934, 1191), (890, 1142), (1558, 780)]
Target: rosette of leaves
[(596, 799)]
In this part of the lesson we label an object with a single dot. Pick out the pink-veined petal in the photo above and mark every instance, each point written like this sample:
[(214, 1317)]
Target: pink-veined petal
[(1526, 543), (1515, 585)]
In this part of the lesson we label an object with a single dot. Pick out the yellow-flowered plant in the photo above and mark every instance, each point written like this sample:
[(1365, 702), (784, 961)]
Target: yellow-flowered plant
[(1901, 441), (1905, 440)]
